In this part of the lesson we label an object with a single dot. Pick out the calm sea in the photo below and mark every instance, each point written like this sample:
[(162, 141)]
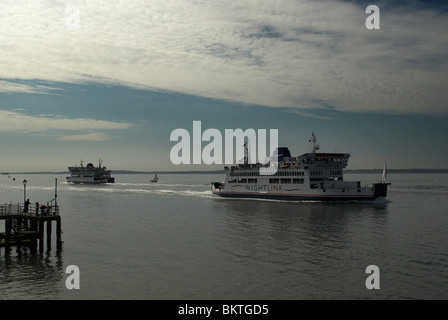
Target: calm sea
[(174, 240)]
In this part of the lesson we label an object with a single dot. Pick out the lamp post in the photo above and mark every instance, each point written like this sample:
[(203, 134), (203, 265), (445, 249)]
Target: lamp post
[(24, 191)]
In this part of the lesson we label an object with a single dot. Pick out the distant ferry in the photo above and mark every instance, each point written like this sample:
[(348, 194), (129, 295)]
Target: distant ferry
[(311, 176), (90, 174)]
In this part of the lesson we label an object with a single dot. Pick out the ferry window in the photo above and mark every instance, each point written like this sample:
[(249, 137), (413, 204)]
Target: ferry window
[(297, 180), (273, 180), (251, 180), (285, 181), (242, 180), (232, 180)]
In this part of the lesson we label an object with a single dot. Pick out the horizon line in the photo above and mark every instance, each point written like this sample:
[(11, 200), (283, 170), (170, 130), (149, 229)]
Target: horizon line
[(403, 170)]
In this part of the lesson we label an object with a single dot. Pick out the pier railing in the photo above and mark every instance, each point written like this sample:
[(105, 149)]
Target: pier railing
[(50, 209)]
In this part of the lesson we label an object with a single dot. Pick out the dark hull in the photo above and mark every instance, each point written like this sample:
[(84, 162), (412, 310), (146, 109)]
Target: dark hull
[(293, 197), (379, 190), (109, 180)]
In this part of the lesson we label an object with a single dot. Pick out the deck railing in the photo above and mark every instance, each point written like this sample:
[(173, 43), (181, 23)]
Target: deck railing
[(50, 209)]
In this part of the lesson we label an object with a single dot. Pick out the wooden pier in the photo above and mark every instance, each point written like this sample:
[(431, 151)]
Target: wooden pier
[(25, 226)]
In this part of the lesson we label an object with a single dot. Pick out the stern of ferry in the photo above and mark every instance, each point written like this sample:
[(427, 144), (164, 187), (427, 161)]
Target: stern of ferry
[(380, 189)]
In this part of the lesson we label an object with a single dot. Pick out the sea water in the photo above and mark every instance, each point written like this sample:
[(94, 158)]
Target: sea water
[(175, 240)]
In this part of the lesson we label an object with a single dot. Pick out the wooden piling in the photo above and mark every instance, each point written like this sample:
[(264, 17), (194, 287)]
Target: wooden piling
[(49, 235), (8, 235), (58, 234), (41, 236)]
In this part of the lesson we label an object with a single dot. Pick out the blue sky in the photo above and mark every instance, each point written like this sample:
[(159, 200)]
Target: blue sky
[(115, 83)]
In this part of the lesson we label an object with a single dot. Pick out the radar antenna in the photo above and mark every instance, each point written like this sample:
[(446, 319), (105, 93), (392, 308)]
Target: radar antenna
[(313, 140)]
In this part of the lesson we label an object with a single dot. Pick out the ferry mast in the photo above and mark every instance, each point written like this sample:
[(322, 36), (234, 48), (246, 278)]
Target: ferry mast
[(313, 140)]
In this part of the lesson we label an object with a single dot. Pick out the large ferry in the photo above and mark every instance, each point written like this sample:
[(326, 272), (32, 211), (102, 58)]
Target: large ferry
[(90, 174), (311, 176)]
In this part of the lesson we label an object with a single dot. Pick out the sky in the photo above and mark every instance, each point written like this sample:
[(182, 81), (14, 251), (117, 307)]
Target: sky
[(112, 79)]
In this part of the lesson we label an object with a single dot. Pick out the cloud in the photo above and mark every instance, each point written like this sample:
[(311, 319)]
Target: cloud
[(91, 136), (17, 122), (308, 114), (11, 86), (272, 53)]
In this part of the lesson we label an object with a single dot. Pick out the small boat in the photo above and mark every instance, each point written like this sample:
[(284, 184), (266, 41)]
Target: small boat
[(155, 178), (384, 177)]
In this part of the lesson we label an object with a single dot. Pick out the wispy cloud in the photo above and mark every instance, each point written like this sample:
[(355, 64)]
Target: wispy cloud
[(274, 53), (308, 114), (12, 86), (17, 122), (91, 136)]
